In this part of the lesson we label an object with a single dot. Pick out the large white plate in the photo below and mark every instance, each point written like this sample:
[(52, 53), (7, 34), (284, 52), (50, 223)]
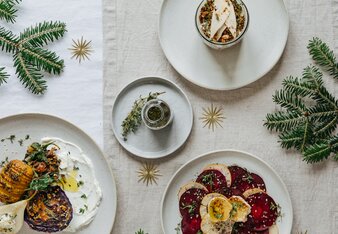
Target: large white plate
[(144, 142), (38, 126), (231, 68), (170, 215)]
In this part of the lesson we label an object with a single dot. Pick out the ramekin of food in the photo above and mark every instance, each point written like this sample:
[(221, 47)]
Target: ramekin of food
[(224, 38), (156, 114)]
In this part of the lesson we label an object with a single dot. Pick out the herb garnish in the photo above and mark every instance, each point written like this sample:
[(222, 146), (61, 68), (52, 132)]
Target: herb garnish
[(191, 208), (4, 162), (84, 196), (140, 232), (42, 183), (133, 121), (80, 183)]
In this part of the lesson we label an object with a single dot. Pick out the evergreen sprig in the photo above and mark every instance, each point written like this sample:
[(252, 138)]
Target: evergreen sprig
[(3, 76), (309, 114), (7, 10), (30, 59)]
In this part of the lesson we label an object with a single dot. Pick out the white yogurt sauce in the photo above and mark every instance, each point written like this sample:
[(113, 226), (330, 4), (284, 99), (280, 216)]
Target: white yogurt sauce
[(81, 185)]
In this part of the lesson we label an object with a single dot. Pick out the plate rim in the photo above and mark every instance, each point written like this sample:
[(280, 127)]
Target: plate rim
[(50, 116), (145, 78), (225, 88), (220, 151)]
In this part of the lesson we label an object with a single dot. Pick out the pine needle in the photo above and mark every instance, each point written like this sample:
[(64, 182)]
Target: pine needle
[(3, 76)]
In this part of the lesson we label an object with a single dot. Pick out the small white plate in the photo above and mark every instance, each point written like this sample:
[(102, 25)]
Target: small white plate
[(38, 126), (144, 142), (232, 68), (170, 215)]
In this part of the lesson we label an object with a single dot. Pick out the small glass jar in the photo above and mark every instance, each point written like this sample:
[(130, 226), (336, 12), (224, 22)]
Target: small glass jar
[(156, 114), (222, 45)]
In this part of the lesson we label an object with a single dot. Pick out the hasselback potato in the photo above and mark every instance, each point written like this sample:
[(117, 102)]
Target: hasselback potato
[(15, 178)]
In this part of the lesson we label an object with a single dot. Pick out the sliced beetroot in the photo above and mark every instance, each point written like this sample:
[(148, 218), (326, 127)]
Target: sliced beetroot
[(191, 225), (213, 180), (236, 171), (264, 211), (49, 211), (248, 181), (190, 202), (246, 228)]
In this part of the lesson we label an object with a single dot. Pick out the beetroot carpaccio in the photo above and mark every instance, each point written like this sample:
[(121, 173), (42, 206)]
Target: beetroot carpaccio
[(227, 200)]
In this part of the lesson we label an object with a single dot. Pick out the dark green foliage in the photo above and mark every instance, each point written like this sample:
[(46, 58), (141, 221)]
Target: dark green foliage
[(310, 112), (3, 76), (323, 56), (29, 58), (7, 10)]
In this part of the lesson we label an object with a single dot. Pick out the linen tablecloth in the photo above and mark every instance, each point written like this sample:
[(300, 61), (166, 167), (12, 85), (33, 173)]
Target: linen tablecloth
[(132, 50)]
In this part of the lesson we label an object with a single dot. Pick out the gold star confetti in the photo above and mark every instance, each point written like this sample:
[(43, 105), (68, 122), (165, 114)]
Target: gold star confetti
[(212, 117), (81, 49), (148, 173)]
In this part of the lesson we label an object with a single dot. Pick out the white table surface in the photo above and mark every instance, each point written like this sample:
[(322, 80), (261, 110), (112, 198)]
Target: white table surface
[(132, 50)]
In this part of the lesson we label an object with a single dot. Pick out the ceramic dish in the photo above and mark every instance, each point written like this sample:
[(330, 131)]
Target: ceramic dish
[(147, 143), (170, 214), (38, 126), (234, 67)]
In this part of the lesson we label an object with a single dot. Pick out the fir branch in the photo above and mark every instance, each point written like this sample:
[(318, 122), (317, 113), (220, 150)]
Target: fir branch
[(283, 121), (323, 56), (29, 75), (322, 112), (292, 139), (43, 59), (313, 76), (326, 127), (289, 101), (42, 34), (7, 10), (3, 76), (8, 41), (321, 151), (297, 87)]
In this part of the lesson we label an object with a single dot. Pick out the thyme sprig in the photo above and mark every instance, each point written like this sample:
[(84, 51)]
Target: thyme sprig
[(140, 232), (133, 120), (309, 118)]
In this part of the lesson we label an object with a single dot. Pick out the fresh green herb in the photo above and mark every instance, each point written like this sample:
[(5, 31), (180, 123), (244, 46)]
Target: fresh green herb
[(86, 207), (234, 209), (82, 210), (20, 142), (248, 178), (199, 232), (191, 208), (80, 183), (84, 196), (140, 232), (27, 137), (178, 228), (277, 209), (309, 120), (4, 162), (38, 152), (75, 168), (133, 120), (218, 215), (42, 183)]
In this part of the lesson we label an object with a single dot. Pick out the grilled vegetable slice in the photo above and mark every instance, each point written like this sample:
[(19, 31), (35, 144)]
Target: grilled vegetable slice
[(49, 211), (15, 178)]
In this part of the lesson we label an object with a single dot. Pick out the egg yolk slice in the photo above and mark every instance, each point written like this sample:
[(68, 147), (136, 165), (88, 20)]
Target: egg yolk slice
[(219, 209)]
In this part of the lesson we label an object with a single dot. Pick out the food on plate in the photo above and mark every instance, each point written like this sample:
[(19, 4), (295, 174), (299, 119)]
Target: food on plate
[(227, 200), (15, 178), (49, 211), (54, 188), (222, 21)]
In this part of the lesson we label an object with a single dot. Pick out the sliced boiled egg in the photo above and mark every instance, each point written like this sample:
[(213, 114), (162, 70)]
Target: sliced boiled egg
[(210, 227), (219, 209), (240, 209), (205, 202)]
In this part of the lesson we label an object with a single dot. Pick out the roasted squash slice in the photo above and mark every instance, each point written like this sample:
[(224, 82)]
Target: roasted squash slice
[(15, 178)]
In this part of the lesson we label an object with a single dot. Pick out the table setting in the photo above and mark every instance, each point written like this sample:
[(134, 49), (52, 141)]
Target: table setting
[(174, 117)]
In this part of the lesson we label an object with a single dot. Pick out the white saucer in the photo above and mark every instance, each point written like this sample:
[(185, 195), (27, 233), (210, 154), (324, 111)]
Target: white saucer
[(148, 143), (232, 68)]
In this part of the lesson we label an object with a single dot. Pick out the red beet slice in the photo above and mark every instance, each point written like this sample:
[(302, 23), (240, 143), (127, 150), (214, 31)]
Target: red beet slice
[(236, 171), (213, 180), (49, 211), (191, 225), (248, 181), (246, 228), (264, 211), (190, 202)]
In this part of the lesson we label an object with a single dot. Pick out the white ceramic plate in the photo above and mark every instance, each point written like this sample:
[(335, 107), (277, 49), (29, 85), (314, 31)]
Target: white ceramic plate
[(170, 215), (38, 126), (232, 68), (144, 142)]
